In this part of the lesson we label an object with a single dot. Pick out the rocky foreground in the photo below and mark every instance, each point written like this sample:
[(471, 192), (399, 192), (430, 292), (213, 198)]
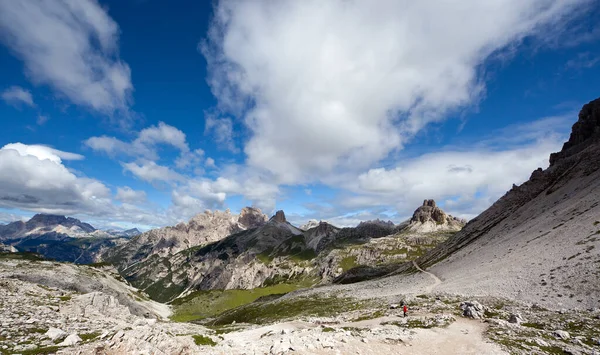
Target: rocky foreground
[(50, 307)]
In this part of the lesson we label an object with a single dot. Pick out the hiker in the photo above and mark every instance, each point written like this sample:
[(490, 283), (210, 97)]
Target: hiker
[(405, 310)]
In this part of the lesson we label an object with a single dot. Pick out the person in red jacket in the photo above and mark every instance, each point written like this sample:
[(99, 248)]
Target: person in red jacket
[(405, 310)]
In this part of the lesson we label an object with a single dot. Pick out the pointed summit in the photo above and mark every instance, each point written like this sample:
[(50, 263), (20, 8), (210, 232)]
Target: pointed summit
[(429, 218), (279, 217)]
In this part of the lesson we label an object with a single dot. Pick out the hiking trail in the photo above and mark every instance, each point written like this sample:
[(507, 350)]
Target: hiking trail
[(436, 279)]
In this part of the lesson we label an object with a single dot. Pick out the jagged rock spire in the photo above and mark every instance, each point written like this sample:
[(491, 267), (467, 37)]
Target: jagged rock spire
[(585, 132), (279, 217)]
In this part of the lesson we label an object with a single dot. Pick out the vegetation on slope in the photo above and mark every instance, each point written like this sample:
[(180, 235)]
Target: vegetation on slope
[(205, 304)]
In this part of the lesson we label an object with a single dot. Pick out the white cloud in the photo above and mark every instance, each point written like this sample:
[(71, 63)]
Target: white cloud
[(128, 195), (446, 174), (42, 152), (162, 134), (108, 145), (72, 46), (145, 146), (151, 172), (193, 158), (34, 178), (221, 130), (338, 85), (210, 163), (16, 96)]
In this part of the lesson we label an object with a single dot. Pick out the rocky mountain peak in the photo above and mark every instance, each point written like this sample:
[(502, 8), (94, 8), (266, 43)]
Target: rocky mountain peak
[(429, 212), (279, 217), (429, 203), (585, 132), (252, 217), (429, 217), (50, 220)]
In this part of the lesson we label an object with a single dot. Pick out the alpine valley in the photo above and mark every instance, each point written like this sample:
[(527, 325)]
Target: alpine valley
[(520, 278)]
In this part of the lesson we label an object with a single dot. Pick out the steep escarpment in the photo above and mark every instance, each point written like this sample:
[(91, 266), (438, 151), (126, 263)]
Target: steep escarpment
[(543, 235)]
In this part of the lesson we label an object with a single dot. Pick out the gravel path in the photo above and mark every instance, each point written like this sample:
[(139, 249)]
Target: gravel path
[(436, 280)]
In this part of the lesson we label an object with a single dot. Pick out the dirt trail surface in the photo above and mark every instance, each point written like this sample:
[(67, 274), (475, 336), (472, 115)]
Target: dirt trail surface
[(436, 279), (368, 337)]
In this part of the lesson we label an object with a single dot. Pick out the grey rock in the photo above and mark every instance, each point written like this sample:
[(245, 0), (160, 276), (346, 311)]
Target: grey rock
[(562, 334), (71, 340), (55, 334), (472, 309), (515, 318)]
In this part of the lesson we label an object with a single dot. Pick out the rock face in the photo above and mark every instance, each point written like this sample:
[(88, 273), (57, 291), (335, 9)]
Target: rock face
[(274, 252), (542, 235), (202, 229), (585, 132), (279, 217), (430, 218)]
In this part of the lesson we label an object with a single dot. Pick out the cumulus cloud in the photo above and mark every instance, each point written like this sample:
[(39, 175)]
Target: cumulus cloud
[(145, 152), (34, 178), (108, 145), (162, 134), (146, 144), (338, 85), (128, 195), (17, 96), (151, 172), (72, 46)]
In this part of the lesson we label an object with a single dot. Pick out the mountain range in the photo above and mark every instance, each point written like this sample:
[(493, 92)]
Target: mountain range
[(247, 251), (62, 238), (528, 266)]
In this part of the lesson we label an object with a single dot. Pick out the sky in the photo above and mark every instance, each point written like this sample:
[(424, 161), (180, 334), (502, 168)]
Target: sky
[(135, 113)]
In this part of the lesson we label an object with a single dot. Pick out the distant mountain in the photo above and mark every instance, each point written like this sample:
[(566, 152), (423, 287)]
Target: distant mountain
[(45, 224), (58, 237), (202, 229), (310, 224), (128, 233), (7, 249)]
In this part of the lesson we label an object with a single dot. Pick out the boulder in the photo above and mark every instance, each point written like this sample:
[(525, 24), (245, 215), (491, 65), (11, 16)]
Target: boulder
[(71, 340), (55, 334), (472, 309), (562, 334), (515, 318)]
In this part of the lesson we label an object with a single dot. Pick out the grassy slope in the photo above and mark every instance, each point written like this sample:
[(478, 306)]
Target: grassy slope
[(205, 304)]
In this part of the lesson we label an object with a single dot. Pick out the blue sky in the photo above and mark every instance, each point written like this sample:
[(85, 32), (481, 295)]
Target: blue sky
[(135, 113)]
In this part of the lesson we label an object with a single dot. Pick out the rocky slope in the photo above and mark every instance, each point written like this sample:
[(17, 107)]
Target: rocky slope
[(277, 253), (202, 229), (539, 243), (543, 235), (60, 238), (50, 307)]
